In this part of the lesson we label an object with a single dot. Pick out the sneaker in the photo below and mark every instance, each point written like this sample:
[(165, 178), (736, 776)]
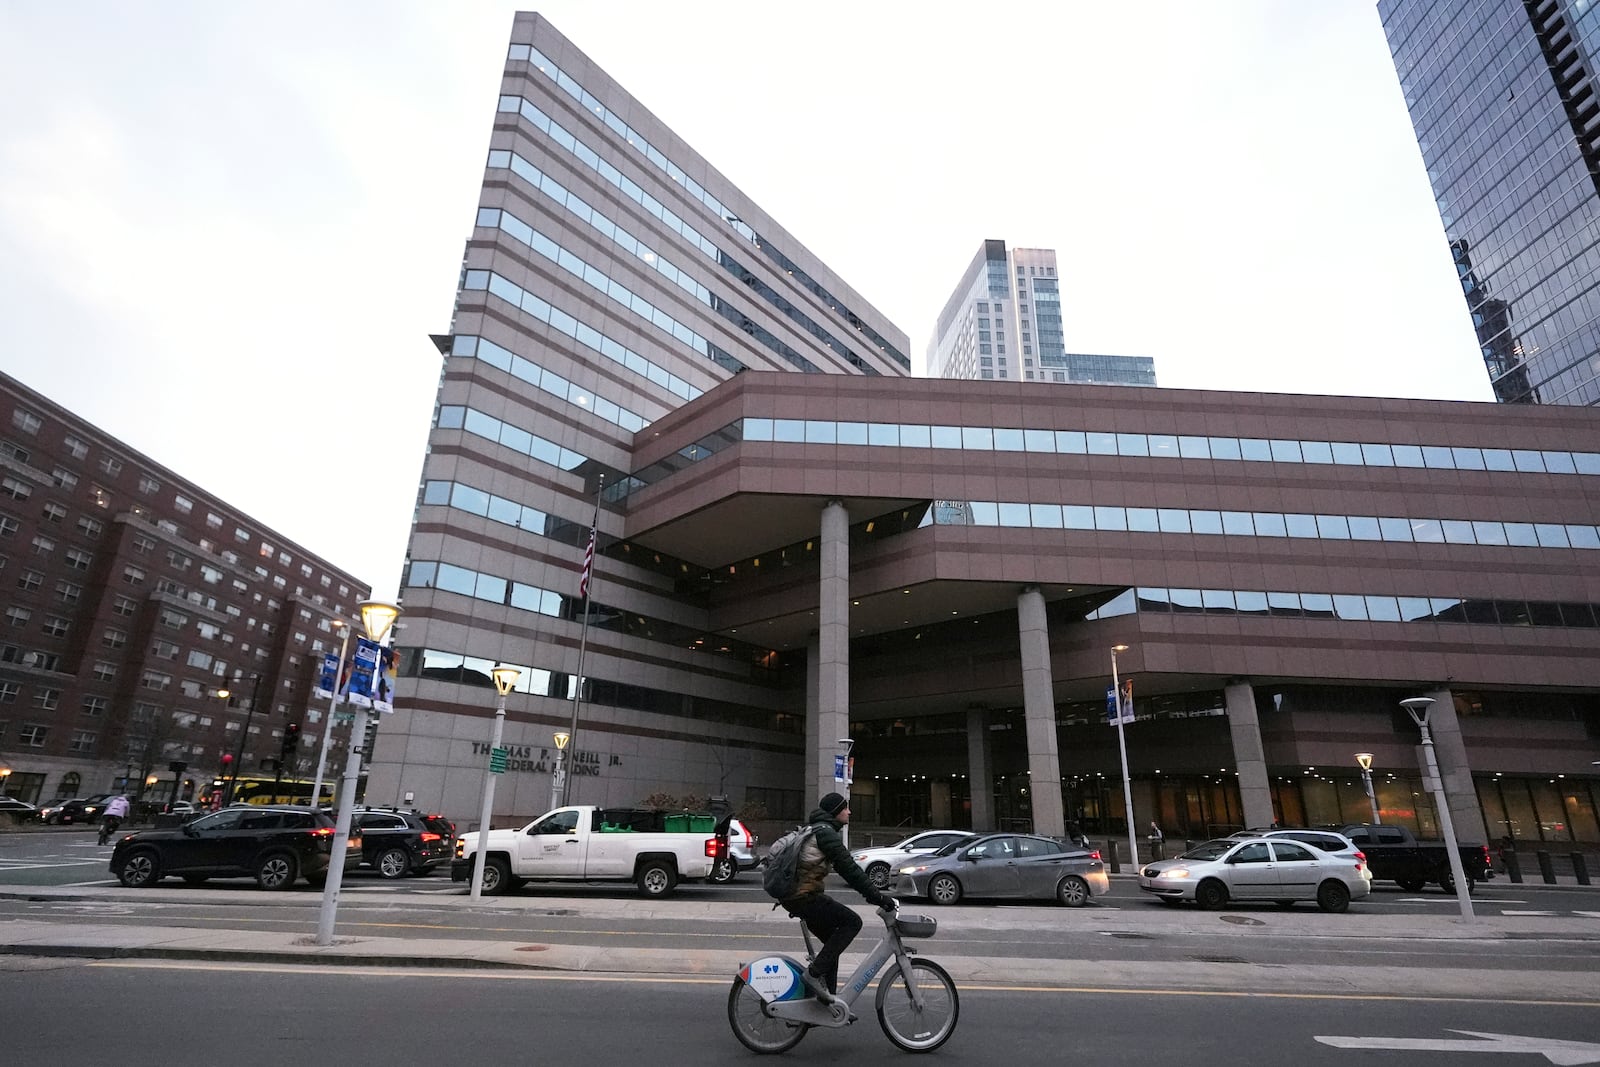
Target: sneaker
[(817, 986)]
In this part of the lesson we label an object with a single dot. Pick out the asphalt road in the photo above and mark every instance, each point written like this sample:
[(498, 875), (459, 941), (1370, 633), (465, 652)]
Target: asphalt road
[(153, 1012)]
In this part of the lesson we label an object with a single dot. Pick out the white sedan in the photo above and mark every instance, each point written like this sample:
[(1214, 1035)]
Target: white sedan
[(881, 863), (1258, 869)]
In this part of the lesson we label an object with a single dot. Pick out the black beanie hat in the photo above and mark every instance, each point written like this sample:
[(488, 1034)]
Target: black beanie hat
[(833, 803)]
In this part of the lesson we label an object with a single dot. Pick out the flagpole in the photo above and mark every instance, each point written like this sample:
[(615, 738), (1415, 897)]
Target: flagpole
[(571, 753)]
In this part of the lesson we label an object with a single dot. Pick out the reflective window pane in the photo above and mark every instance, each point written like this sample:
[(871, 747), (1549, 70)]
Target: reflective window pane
[(1224, 448), (1045, 516), (985, 513), (1376, 455), (1038, 440), (1438, 457), (1154, 600), (1142, 520), (1383, 608), (913, 436), (1301, 525), (1173, 520), (1185, 601), (1206, 522), (1163, 445), (1551, 535), (1498, 459), (1395, 529), (1077, 517), (1364, 528), (1559, 463), (1468, 459), (819, 432), (1317, 605), (1316, 451), (1102, 444), (1008, 440), (788, 430), (1488, 533), (1333, 528), (1268, 524), (1521, 534), (1527, 461), (1251, 603), (1285, 451), (883, 433), (1427, 530), (1351, 608), (946, 436), (1014, 515), (1414, 608), (1458, 532), (1071, 442), (1238, 524), (1407, 455), (1109, 519), (1255, 450), (1196, 448), (1586, 462), (1132, 444), (1583, 536), (852, 433), (1217, 601), (1347, 453), (1286, 605), (976, 438)]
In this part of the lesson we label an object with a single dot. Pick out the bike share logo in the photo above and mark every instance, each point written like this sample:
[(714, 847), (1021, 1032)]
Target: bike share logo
[(774, 978)]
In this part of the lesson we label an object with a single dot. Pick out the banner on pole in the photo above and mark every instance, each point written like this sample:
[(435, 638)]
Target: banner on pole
[(383, 680), (838, 767), (328, 677), (1126, 709), (363, 668)]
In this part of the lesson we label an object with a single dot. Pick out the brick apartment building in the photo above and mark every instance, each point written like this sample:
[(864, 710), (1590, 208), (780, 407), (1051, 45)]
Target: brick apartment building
[(130, 598)]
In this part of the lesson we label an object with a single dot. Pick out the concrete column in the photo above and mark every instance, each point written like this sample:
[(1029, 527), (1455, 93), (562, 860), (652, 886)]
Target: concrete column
[(833, 648), (1255, 790), (980, 769), (1454, 769), (1039, 711), (813, 655)]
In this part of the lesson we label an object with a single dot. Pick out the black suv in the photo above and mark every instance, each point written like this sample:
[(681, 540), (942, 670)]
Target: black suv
[(275, 845), (396, 842)]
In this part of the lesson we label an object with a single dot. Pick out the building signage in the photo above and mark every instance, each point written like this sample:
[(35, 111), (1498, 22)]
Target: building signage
[(530, 759)]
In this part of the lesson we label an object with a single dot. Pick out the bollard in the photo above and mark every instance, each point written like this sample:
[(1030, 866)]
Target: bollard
[(1513, 867), (1580, 870), (1546, 870), (1111, 856)]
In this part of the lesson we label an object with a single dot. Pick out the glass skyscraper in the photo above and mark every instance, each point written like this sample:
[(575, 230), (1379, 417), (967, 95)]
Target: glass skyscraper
[(1502, 96)]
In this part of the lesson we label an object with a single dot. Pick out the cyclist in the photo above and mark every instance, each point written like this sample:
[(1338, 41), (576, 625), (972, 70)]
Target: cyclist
[(116, 811), (833, 924)]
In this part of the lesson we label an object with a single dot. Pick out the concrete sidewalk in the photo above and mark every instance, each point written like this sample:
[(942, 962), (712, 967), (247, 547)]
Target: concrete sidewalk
[(1216, 958)]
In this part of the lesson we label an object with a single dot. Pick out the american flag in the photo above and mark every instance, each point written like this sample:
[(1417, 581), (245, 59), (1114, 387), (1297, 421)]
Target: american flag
[(588, 562)]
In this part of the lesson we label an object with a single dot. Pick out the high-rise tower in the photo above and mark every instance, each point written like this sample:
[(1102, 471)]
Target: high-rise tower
[(1502, 94)]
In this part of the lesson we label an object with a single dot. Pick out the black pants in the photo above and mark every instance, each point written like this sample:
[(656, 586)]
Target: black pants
[(834, 925), (109, 827)]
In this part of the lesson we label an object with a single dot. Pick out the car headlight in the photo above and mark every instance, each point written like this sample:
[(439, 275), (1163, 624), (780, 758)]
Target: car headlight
[(914, 870), (862, 858), (1175, 872)]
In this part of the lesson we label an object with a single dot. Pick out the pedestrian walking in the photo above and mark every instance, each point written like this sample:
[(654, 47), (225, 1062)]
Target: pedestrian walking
[(1156, 841), (116, 811)]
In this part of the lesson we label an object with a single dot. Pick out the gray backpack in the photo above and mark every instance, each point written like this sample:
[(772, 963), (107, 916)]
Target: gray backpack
[(781, 879)]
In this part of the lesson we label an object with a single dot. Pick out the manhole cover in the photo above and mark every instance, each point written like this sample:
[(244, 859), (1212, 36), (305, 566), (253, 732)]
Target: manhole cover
[(1242, 920), (1219, 959), (542, 948)]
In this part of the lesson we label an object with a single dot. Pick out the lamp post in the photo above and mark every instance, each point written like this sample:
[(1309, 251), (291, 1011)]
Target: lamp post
[(504, 679), (333, 704), (376, 618), (1417, 708), (558, 774), (5, 776), (1364, 761), (1122, 750), (238, 752)]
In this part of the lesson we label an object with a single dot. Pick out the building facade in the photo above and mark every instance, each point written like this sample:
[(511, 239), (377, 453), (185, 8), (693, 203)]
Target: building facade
[(131, 598), (1503, 97), (1003, 322), (800, 545)]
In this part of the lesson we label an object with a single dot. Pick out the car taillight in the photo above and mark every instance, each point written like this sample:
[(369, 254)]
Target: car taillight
[(430, 837), (1094, 855), (322, 831), (711, 847)]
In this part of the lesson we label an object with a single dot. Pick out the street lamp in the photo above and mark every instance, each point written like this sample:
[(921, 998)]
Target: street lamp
[(1364, 760), (504, 679), (558, 774), (376, 618), (1122, 750), (333, 704), (1417, 708), (5, 775)]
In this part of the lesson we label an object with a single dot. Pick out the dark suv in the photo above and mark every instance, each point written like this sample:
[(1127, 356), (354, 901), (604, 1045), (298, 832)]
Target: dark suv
[(275, 845), (396, 842)]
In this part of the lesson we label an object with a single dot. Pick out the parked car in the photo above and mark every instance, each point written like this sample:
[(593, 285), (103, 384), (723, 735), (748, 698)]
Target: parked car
[(1257, 869), (1394, 854), (275, 845), (14, 810), (1330, 841), (1005, 865), (740, 856), (78, 809), (396, 842), (882, 862)]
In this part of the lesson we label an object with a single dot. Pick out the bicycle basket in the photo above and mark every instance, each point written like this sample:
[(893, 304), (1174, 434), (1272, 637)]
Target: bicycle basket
[(915, 925)]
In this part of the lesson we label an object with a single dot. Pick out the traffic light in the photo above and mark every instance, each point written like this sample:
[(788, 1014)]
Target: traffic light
[(291, 742)]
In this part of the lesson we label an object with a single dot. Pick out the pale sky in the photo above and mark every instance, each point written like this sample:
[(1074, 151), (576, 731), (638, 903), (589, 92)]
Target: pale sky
[(226, 230)]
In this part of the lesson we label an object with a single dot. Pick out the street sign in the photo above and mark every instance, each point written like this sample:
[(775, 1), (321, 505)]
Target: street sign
[(497, 760), (1553, 1050)]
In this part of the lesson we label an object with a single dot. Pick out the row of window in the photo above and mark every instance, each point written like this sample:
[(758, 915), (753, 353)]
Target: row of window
[(1170, 446), (548, 381), (1350, 607), (455, 417), (1263, 524), (569, 85), (500, 509), (432, 574), (650, 258)]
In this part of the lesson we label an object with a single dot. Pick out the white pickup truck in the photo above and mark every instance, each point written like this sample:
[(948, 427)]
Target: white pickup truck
[(654, 850)]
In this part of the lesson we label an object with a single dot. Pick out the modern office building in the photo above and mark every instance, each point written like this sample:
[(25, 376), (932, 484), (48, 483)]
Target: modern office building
[(1503, 97), (1003, 323), (131, 597), (798, 545)]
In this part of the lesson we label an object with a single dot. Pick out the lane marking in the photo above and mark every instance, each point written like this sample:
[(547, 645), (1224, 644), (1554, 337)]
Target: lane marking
[(623, 979)]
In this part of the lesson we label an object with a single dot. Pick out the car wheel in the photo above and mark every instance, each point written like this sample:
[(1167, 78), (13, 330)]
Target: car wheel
[(656, 878), (496, 876), (1211, 894), (1333, 896), (878, 875), (1073, 892), (1448, 884), (944, 889), (141, 869), (277, 871), (392, 863), (194, 879), (1411, 885), (722, 871)]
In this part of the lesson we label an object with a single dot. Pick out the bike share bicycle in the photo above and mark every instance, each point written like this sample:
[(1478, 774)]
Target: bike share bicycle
[(771, 1008)]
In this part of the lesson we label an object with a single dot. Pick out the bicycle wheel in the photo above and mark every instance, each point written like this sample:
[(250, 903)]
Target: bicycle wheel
[(913, 1030), (756, 1028)]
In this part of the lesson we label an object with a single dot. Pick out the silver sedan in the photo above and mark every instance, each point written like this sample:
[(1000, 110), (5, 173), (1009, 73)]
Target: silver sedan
[(1282, 871), (1005, 865)]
